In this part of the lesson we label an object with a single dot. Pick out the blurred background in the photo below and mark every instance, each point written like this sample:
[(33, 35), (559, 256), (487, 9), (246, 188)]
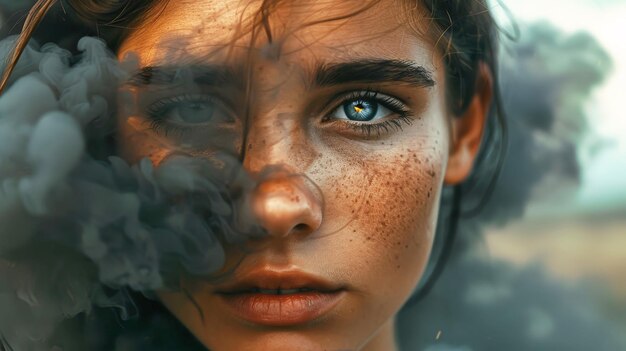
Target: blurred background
[(578, 230), (543, 266)]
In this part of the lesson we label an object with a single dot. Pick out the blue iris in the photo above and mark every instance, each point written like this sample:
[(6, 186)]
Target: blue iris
[(195, 112), (360, 110)]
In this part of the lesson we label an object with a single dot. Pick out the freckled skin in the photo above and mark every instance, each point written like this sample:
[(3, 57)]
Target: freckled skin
[(379, 195)]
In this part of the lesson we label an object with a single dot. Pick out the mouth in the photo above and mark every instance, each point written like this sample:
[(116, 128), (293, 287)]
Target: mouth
[(280, 298)]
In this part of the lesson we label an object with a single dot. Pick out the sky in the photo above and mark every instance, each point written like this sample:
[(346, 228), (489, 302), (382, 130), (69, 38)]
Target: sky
[(603, 186)]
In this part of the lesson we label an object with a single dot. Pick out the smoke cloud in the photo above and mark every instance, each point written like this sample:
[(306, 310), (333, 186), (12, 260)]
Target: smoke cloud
[(72, 225), (546, 79)]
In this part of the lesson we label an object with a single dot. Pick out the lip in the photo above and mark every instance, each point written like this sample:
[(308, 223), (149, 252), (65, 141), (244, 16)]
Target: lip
[(244, 298)]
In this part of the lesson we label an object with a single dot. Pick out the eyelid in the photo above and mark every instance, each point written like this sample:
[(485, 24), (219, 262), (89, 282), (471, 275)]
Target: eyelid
[(162, 104), (157, 109)]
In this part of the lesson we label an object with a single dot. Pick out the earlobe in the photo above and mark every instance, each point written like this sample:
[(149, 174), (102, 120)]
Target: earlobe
[(467, 129)]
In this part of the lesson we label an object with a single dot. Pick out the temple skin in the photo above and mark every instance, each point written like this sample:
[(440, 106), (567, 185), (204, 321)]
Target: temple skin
[(358, 210)]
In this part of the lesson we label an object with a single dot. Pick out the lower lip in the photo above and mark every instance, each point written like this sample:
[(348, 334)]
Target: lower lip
[(282, 310)]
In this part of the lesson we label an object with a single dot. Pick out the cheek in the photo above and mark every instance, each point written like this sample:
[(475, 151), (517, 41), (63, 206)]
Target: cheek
[(381, 210), (135, 141), (400, 226), (398, 217)]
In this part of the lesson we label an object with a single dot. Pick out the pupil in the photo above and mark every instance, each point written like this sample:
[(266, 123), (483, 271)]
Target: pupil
[(360, 110)]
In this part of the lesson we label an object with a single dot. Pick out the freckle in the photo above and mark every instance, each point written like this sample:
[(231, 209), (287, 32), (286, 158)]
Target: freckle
[(398, 266), (406, 246)]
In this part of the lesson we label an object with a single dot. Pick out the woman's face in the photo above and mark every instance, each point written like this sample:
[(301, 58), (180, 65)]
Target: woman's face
[(343, 124)]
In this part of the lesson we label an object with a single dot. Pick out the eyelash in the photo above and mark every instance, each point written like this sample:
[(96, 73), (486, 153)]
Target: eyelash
[(396, 106), (160, 125)]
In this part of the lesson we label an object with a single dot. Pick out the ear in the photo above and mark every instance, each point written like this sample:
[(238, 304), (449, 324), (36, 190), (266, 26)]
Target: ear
[(467, 129)]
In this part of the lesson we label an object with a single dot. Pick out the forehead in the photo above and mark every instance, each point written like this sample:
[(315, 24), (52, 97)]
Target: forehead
[(192, 31)]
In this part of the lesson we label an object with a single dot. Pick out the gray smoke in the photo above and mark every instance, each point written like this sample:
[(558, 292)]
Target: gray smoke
[(546, 80), (485, 304), (71, 224)]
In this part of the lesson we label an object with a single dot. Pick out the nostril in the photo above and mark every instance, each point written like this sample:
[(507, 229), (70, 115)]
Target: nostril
[(300, 227)]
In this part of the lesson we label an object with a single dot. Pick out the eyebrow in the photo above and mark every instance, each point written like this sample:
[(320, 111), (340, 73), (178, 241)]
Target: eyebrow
[(362, 71), (213, 75), (374, 71)]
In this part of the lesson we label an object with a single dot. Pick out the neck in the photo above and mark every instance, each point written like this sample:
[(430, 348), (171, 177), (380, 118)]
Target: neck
[(385, 339)]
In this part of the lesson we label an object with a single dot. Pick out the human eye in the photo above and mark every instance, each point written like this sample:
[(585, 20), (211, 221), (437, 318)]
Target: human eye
[(188, 112), (370, 113)]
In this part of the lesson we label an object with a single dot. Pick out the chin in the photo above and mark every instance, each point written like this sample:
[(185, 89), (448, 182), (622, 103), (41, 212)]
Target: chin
[(283, 340)]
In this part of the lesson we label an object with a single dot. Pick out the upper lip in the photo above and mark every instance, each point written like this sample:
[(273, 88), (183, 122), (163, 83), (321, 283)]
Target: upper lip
[(271, 279)]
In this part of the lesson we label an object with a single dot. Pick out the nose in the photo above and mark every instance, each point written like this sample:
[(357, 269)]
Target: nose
[(285, 204)]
